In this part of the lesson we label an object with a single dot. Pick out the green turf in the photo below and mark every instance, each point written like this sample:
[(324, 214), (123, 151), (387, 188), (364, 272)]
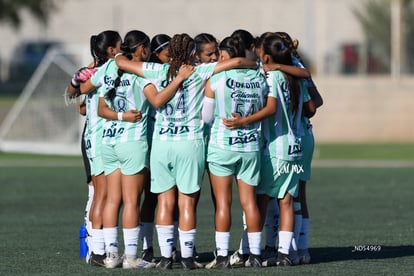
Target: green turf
[(41, 209), (373, 151)]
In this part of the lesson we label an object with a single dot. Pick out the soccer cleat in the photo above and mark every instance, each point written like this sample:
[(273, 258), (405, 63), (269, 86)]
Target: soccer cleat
[(219, 262), (134, 262), (96, 259), (253, 261), (165, 263), (112, 260), (269, 262), (283, 260), (304, 256), (294, 257), (189, 263), (148, 255), (269, 252), (238, 259)]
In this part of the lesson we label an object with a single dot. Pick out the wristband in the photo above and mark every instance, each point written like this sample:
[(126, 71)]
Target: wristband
[(120, 116), (118, 54), (74, 83)]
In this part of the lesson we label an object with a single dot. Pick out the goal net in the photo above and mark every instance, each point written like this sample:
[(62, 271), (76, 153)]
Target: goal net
[(43, 120)]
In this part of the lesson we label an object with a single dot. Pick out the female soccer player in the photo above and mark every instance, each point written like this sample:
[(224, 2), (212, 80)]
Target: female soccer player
[(159, 49), (206, 48), (103, 46), (299, 252), (234, 153), (281, 133), (159, 54)]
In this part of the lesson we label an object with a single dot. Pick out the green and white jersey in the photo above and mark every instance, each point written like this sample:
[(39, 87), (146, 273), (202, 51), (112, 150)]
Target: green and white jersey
[(129, 95), (180, 118), (94, 123), (282, 132), (307, 82), (306, 123), (240, 91)]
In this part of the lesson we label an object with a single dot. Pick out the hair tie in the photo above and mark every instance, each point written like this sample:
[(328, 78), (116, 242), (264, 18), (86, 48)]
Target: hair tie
[(282, 47)]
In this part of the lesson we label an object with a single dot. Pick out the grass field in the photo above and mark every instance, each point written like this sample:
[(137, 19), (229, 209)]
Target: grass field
[(360, 195)]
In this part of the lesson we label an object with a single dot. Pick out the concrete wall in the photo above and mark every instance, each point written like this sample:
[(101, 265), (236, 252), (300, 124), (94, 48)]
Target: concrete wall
[(375, 109), (320, 25)]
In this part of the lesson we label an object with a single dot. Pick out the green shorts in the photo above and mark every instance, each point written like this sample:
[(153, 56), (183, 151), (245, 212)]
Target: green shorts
[(130, 157), (308, 144), (279, 177), (97, 166), (178, 163), (244, 165)]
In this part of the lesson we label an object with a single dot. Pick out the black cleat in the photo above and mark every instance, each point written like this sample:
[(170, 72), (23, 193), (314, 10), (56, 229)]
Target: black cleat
[(97, 260), (220, 262), (283, 260), (253, 261), (148, 255), (189, 263), (165, 263)]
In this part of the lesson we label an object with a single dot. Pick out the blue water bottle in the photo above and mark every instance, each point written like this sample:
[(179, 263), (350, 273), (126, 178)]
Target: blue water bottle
[(83, 246)]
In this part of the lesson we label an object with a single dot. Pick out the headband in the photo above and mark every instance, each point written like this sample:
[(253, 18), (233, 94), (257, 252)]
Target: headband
[(161, 46)]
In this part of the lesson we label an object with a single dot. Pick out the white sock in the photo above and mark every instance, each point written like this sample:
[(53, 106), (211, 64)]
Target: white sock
[(165, 239), (176, 235), (88, 208), (146, 234), (244, 242), (255, 239), (131, 241), (97, 241), (304, 234), (111, 239), (187, 239), (271, 226), (222, 243), (285, 240), (298, 225)]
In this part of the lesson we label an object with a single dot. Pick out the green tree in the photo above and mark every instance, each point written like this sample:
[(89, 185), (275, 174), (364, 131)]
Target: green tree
[(10, 10), (375, 20)]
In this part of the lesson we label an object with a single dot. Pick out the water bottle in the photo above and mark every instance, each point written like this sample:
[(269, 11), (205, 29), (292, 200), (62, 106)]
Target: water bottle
[(83, 246)]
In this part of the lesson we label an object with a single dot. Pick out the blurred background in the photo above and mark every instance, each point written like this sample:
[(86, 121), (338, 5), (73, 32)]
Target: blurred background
[(360, 53)]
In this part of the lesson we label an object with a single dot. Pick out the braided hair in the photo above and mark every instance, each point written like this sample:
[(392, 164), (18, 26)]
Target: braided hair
[(182, 49)]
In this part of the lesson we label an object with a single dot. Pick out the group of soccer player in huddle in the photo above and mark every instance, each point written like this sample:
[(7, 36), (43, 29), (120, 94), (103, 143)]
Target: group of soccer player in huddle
[(162, 113)]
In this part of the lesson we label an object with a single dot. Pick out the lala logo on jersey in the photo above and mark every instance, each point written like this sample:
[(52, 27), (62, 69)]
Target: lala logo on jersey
[(111, 132), (294, 149), (173, 129), (242, 139)]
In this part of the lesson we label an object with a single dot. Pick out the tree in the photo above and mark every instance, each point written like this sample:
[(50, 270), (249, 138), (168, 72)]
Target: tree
[(10, 10), (375, 20)]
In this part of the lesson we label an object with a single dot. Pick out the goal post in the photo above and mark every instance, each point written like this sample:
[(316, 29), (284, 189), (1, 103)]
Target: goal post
[(43, 120)]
